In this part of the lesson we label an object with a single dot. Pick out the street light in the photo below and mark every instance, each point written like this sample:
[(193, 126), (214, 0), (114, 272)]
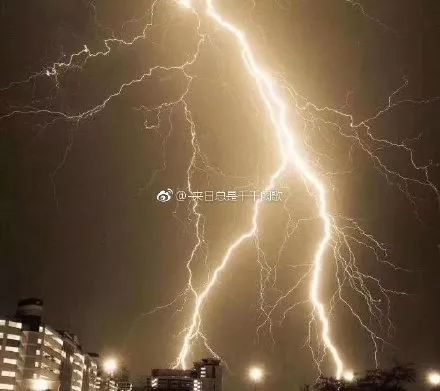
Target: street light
[(185, 3), (434, 378), (256, 375), (348, 376), (40, 385), (110, 366)]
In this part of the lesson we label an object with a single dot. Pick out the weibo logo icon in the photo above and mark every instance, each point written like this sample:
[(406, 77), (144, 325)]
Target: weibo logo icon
[(164, 195)]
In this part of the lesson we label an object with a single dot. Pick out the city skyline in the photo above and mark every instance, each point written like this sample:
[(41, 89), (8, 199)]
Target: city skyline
[(37, 357)]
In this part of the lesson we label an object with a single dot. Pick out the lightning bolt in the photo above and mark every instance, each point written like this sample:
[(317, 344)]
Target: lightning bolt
[(290, 156), (339, 235)]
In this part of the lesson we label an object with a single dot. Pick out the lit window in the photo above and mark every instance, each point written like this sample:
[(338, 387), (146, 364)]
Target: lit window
[(10, 361), (2, 322), (11, 349), (6, 386), (17, 325), (14, 337), (38, 352), (39, 340), (8, 373), (1, 335)]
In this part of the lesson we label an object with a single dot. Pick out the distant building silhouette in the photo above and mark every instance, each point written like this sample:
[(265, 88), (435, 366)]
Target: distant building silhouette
[(205, 376), (122, 379)]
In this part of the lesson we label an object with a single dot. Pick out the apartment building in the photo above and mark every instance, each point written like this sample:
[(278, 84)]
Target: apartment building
[(36, 357)]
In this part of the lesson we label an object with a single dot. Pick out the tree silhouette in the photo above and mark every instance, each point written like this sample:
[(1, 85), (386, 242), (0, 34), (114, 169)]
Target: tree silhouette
[(394, 379)]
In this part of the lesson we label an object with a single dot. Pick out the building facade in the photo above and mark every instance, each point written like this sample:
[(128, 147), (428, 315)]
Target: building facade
[(210, 373), (11, 354), (35, 357), (173, 379), (206, 375), (122, 379)]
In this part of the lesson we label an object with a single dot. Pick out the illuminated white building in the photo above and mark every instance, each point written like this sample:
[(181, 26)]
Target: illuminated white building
[(35, 357), (11, 355)]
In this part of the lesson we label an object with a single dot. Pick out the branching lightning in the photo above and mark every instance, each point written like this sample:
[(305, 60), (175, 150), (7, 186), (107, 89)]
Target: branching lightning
[(339, 235), (289, 155)]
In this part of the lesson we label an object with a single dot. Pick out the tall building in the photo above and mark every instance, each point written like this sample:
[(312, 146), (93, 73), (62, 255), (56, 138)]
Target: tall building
[(91, 380), (35, 357), (11, 355), (205, 376), (74, 366), (210, 372)]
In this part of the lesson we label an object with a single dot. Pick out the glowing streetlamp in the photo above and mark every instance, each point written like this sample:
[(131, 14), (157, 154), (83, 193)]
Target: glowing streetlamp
[(110, 366), (185, 3), (40, 385), (434, 378), (256, 375), (348, 376)]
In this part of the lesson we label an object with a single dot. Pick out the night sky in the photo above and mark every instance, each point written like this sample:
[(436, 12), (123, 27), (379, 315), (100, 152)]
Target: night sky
[(80, 225)]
